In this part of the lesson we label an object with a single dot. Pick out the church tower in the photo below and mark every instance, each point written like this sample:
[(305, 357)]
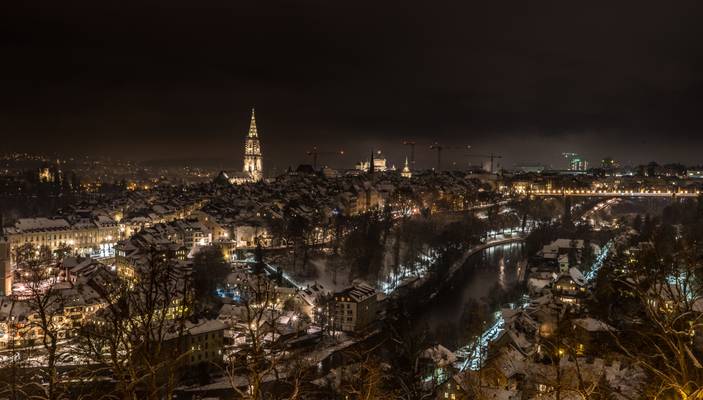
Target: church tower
[(406, 173), (252, 152)]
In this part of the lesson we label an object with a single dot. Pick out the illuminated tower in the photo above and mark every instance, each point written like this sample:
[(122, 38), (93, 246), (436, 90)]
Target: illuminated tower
[(252, 152), (406, 173)]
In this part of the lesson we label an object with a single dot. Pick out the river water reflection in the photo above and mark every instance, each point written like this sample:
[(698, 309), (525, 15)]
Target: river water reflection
[(444, 316)]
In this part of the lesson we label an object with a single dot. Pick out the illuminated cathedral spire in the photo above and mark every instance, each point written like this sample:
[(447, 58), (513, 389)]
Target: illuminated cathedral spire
[(252, 152), (406, 173), (252, 126)]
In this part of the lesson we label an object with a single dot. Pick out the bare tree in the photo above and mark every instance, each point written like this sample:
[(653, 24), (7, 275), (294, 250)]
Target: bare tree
[(137, 335), (367, 379), (407, 377), (14, 362), (258, 359), (46, 303), (661, 339)]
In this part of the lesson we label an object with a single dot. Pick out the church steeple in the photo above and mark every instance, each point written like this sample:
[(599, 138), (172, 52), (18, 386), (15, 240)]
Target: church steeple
[(406, 173), (253, 160), (252, 125)]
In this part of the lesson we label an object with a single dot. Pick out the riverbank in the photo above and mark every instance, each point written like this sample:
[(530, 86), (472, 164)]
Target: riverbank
[(407, 285)]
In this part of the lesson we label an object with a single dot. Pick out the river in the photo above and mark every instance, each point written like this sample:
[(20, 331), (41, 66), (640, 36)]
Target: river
[(445, 316), (442, 317)]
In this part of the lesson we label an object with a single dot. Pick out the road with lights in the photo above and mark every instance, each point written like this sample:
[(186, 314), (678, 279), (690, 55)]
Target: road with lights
[(474, 353), (614, 193)]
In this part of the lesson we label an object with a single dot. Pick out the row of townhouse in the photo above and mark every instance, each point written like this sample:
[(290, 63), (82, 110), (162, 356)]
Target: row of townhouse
[(142, 249), (93, 231), (93, 235)]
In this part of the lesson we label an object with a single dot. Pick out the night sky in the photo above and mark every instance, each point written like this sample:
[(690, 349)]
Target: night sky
[(527, 79)]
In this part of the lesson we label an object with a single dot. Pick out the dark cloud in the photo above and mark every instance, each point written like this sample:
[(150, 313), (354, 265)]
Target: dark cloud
[(530, 79)]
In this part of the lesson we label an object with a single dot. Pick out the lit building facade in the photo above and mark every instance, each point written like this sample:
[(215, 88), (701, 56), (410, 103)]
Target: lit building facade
[(94, 237), (378, 162), (201, 343), (355, 308), (576, 162)]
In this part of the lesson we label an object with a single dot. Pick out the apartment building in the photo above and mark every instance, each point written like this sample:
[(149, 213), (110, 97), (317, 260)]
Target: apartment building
[(355, 308)]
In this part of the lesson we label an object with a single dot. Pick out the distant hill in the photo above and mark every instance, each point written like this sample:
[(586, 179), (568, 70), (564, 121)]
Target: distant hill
[(221, 163)]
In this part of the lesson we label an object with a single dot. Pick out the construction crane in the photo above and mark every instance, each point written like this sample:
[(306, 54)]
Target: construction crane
[(315, 152), (439, 148), (488, 156), (412, 152)]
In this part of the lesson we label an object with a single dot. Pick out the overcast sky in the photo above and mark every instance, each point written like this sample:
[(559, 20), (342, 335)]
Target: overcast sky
[(526, 79)]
